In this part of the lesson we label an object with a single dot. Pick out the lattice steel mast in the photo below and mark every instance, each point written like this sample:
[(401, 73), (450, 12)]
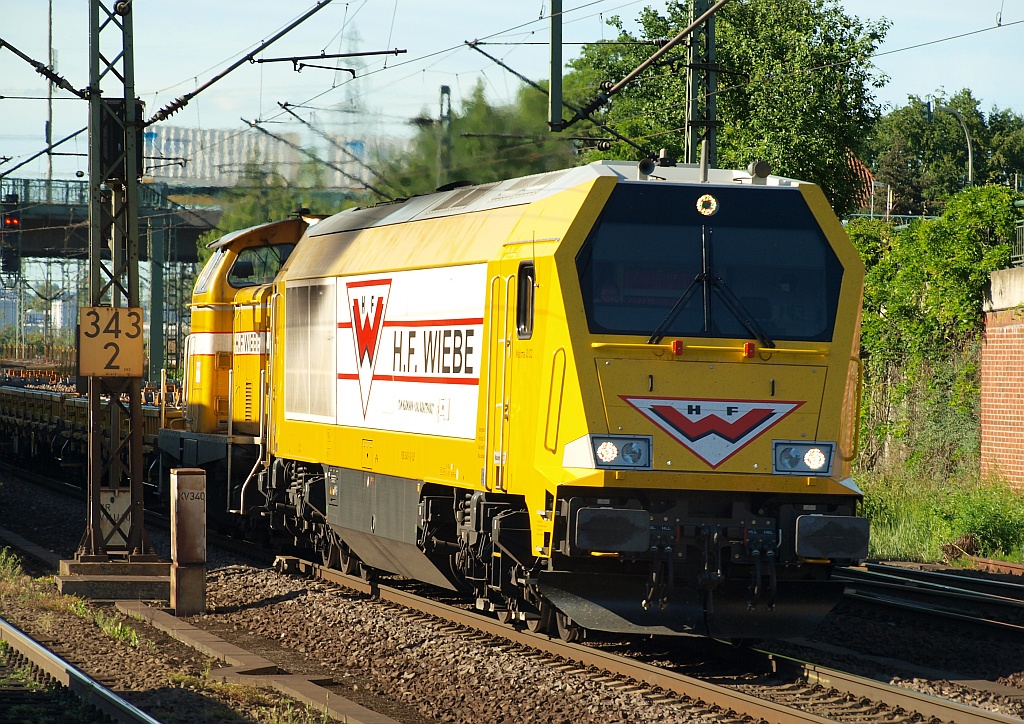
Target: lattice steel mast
[(701, 85), (115, 509)]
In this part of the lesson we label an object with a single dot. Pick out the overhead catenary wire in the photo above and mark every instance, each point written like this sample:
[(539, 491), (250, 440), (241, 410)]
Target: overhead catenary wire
[(313, 156), (449, 50), (361, 6), (334, 143), (455, 48), (602, 98)]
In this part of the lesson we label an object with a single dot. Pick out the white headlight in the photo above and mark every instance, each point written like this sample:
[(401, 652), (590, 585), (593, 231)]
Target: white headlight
[(621, 452), (788, 458), (815, 459), (793, 457), (607, 452)]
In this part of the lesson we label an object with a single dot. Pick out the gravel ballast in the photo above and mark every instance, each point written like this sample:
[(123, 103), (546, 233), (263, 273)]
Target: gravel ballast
[(417, 669)]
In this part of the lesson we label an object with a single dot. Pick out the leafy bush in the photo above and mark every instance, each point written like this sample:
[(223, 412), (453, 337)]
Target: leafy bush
[(992, 512), (921, 331)]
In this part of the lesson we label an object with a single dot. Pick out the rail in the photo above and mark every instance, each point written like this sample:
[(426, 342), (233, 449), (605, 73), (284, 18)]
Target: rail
[(67, 675), (757, 709), (723, 697), (989, 603)]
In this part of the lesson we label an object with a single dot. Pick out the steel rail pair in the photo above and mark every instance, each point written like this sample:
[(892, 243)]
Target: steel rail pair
[(720, 698), (63, 673)]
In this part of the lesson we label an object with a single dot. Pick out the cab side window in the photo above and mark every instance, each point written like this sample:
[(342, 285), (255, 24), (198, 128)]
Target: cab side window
[(258, 265), (526, 284)]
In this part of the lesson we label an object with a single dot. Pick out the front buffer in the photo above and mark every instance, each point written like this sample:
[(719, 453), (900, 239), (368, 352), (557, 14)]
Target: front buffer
[(622, 568)]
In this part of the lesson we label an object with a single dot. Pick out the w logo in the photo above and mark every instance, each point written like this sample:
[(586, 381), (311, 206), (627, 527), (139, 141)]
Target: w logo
[(713, 430), (367, 303)]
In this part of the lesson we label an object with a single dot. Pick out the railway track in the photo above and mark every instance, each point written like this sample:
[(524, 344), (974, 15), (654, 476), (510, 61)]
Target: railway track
[(780, 689), (951, 595), (799, 691), (991, 566), (37, 685)]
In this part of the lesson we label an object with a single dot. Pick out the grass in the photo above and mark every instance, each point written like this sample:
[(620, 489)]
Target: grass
[(921, 518), (289, 713), (267, 707), (40, 594), (113, 625), (10, 567)]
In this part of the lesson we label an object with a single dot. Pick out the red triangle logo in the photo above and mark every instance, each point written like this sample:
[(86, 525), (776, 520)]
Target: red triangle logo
[(713, 430), (367, 303)]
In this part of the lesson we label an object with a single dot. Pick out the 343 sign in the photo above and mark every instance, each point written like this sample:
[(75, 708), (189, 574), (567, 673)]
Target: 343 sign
[(110, 342)]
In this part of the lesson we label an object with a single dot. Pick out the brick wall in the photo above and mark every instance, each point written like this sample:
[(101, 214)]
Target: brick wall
[(1002, 396)]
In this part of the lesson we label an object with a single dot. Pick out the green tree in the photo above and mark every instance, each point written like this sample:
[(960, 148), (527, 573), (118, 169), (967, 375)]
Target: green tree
[(487, 143), (796, 88), (925, 159), (1005, 161), (43, 295), (262, 194)]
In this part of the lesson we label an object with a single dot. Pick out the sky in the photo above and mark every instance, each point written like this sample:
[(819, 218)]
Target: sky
[(182, 44)]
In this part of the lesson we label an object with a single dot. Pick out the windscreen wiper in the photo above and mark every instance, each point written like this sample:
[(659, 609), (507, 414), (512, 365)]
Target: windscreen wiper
[(740, 312), (659, 331)]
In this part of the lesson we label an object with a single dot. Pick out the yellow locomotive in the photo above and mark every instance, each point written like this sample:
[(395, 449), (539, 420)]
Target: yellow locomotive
[(609, 397)]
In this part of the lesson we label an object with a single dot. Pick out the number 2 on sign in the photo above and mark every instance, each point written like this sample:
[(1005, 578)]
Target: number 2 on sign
[(111, 342)]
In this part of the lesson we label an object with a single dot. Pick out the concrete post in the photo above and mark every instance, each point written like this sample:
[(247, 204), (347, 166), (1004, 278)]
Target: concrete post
[(188, 541)]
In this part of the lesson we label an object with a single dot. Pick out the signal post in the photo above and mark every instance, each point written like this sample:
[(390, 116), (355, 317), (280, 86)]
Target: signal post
[(114, 545)]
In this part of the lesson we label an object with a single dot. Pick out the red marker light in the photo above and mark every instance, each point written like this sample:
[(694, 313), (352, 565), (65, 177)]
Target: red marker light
[(677, 346), (749, 348)]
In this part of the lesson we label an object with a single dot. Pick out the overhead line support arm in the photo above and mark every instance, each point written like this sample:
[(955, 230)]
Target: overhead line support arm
[(580, 113), (45, 71), (33, 157), (176, 105), (298, 66)]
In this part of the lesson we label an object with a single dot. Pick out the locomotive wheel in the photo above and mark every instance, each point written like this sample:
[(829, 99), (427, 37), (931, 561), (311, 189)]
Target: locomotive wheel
[(541, 624), (349, 562), (568, 630), (505, 615), (331, 554)]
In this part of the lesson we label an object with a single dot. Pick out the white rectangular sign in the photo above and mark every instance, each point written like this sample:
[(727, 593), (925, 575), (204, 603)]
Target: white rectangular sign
[(409, 350), (250, 343)]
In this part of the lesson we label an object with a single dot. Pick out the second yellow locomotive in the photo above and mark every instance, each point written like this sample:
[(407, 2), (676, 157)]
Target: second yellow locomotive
[(596, 398)]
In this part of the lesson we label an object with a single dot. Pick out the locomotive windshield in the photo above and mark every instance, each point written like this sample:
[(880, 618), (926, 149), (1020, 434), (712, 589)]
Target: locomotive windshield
[(702, 261)]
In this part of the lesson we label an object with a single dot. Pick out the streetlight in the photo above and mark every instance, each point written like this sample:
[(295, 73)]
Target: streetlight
[(963, 124)]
